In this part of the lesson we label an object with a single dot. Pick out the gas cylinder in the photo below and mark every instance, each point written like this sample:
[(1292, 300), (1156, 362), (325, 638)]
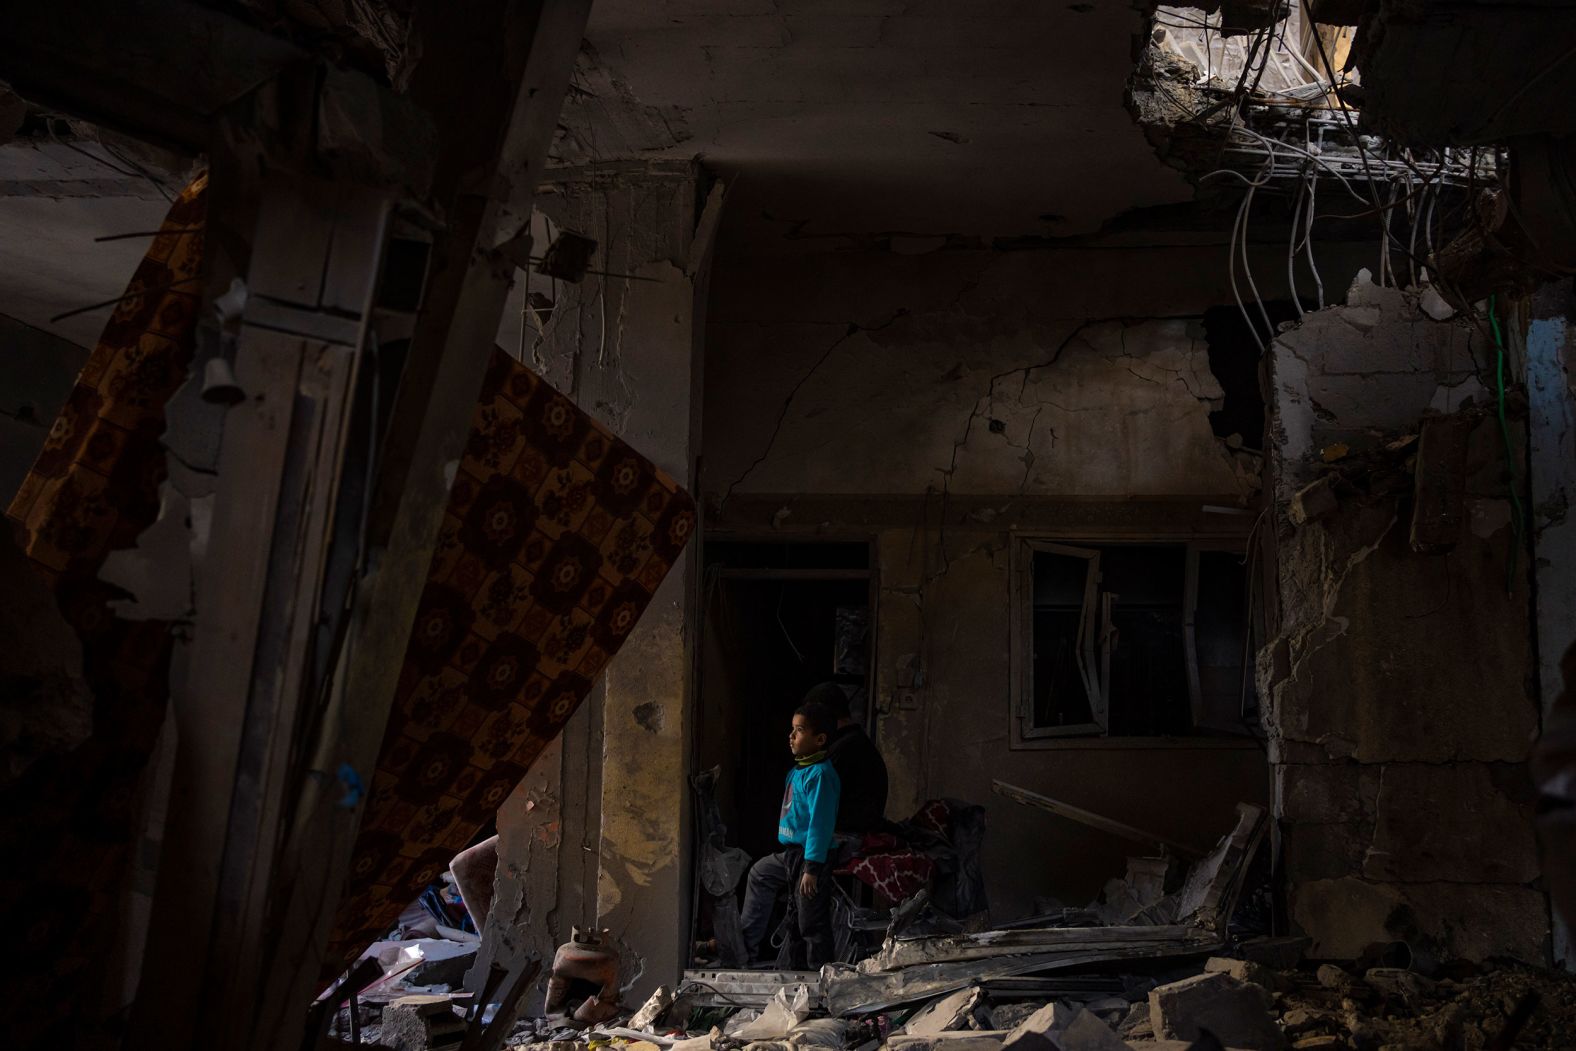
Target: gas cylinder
[(585, 968)]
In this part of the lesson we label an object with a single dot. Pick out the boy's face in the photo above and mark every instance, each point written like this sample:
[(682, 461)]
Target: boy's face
[(802, 740)]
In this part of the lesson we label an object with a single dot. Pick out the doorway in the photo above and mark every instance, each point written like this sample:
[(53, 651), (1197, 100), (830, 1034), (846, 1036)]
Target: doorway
[(777, 618)]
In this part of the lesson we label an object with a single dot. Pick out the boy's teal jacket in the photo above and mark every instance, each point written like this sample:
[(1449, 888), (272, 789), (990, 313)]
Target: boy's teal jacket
[(809, 813)]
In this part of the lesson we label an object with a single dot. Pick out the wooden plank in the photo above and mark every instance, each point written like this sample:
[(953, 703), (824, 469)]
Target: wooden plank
[(1090, 818), (283, 690), (210, 699), (250, 677), (496, 126)]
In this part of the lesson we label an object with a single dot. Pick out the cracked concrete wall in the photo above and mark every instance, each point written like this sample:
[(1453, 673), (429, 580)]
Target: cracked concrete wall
[(1401, 693), (597, 834), (1039, 374), (943, 403)]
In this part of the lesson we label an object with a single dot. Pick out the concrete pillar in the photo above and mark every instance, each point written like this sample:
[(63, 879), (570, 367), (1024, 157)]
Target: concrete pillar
[(1399, 713), (599, 831)]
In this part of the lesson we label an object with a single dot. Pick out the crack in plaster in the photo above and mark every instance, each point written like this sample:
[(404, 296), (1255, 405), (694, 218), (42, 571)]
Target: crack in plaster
[(853, 329)]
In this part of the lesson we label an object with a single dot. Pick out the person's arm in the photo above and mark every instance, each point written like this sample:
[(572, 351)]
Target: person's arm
[(824, 790)]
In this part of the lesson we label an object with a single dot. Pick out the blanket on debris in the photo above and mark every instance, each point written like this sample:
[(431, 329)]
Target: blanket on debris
[(555, 538)]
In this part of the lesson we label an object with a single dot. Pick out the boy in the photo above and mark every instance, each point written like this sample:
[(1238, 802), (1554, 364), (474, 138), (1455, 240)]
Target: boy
[(805, 828)]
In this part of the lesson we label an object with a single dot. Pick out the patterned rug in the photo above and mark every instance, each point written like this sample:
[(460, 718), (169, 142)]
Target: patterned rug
[(73, 818), (555, 538)]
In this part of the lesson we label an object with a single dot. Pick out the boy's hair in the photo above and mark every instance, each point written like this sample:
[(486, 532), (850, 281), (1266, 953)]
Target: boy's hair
[(819, 716), (833, 697)]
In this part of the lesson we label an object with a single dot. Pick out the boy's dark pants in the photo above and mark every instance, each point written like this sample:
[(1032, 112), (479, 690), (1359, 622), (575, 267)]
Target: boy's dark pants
[(811, 917)]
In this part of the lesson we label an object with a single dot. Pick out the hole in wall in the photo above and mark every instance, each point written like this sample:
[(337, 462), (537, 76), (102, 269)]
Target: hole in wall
[(1234, 359)]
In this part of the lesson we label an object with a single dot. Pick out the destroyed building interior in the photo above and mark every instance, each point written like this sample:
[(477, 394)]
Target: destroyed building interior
[(705, 525)]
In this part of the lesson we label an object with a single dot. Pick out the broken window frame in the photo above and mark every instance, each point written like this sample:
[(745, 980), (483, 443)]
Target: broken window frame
[(1097, 637), (1094, 632)]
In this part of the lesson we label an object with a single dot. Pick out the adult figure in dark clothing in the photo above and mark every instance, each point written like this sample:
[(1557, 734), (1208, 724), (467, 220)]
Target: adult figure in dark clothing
[(860, 768)]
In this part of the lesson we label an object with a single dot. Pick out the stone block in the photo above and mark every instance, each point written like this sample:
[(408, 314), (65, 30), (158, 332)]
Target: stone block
[(1038, 1031), (1442, 920), (1462, 822), (1234, 1012)]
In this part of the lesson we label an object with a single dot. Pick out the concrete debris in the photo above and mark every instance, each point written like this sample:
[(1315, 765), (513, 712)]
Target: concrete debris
[(416, 1023), (1399, 982), (1332, 977), (948, 1013), (1309, 1008), (1039, 1031), (1313, 501), (1242, 970), (1235, 1013), (653, 1009), (1007, 1017), (963, 1040), (1086, 1032)]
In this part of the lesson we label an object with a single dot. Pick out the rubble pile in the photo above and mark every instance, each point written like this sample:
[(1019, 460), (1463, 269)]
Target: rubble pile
[(1170, 973), (1225, 1002)]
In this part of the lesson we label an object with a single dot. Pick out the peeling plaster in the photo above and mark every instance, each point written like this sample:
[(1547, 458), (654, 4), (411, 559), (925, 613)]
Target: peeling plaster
[(1399, 719), (1106, 407)]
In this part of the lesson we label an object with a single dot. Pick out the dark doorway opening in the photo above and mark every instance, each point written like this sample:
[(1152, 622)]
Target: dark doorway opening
[(778, 618)]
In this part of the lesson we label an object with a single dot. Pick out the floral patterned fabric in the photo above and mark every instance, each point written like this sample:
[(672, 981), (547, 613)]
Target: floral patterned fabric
[(555, 538), (73, 818)]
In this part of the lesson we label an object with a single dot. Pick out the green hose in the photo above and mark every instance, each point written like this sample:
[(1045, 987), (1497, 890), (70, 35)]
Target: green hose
[(1510, 460)]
